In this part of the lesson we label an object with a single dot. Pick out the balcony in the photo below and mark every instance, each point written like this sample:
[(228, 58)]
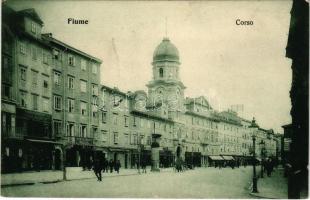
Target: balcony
[(80, 141)]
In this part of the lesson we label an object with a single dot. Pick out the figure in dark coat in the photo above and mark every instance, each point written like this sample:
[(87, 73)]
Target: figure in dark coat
[(143, 165), (97, 166), (111, 165), (269, 167), (105, 165), (117, 166)]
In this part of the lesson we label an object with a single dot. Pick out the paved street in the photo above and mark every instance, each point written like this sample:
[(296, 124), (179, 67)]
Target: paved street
[(198, 183)]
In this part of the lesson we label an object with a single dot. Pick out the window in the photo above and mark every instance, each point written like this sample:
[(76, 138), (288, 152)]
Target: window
[(35, 102), (22, 48), (56, 54), (94, 111), (104, 117), (83, 108), (70, 82), (70, 105), (83, 131), (57, 78), (57, 128), (23, 99), (45, 104), (94, 69), (161, 72), (104, 135), (95, 101), (126, 140), (94, 89), (94, 132), (126, 120), (132, 139), (115, 118), (33, 27), (45, 61), (83, 64), (34, 53), (57, 102), (23, 73), (6, 91), (71, 60), (70, 129), (115, 137), (45, 84), (134, 121), (34, 78), (83, 86), (141, 122)]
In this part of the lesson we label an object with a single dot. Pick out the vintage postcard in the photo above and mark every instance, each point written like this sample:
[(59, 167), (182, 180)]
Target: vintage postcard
[(154, 99)]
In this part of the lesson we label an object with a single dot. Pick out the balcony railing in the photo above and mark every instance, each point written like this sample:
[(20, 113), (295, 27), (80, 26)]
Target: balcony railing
[(80, 140)]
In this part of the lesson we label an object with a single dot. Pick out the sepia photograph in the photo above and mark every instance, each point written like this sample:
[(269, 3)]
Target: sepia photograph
[(155, 99)]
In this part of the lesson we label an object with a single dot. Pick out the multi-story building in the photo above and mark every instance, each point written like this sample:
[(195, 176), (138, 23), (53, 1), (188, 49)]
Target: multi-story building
[(26, 100), (49, 97), (75, 91), (55, 111)]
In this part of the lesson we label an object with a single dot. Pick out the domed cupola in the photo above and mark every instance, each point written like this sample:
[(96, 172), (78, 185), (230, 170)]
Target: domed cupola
[(166, 51)]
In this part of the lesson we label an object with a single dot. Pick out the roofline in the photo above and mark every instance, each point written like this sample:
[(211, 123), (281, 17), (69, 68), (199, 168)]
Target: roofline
[(202, 116), (113, 90), (147, 115), (52, 39)]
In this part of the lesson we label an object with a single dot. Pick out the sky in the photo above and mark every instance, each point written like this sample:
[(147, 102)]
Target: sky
[(226, 63)]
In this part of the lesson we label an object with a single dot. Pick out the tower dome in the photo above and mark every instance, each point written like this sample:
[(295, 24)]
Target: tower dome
[(166, 51)]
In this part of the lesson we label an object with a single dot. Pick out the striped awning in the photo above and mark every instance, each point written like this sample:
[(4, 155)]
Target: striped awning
[(216, 157), (228, 158)]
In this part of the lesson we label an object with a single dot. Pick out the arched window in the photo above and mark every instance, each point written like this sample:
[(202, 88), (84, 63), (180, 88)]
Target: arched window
[(161, 72)]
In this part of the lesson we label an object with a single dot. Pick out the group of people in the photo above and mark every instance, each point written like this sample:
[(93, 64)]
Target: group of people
[(269, 165), (105, 166)]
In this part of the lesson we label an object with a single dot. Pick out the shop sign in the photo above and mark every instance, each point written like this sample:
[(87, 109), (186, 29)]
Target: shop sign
[(287, 143)]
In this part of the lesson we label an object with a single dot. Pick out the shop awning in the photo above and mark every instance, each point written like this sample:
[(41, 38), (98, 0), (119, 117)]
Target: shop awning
[(228, 158), (43, 141), (216, 157)]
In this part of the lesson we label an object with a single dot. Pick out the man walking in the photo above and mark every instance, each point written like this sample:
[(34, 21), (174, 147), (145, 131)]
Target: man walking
[(97, 169)]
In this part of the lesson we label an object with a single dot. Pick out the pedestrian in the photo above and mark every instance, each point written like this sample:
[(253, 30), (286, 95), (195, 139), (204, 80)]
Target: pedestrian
[(117, 166), (143, 165), (97, 167), (111, 165), (104, 165), (269, 167)]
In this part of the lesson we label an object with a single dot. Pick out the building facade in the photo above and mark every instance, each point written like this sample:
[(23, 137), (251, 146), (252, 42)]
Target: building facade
[(56, 113)]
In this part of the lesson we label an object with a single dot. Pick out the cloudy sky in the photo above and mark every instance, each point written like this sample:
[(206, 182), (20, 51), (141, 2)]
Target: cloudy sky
[(229, 64)]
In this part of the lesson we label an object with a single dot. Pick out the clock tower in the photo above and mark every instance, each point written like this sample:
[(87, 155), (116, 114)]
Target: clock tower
[(165, 90)]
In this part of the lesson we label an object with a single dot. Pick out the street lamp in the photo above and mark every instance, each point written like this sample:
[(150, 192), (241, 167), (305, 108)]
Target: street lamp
[(253, 127), (262, 147)]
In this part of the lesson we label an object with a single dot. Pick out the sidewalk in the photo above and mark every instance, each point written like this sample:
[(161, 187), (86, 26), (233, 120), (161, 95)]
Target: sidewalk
[(274, 187), (49, 176)]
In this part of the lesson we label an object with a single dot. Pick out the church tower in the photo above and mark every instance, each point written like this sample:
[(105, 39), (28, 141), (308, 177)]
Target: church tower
[(165, 90)]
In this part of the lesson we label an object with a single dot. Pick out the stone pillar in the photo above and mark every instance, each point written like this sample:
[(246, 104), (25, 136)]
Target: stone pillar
[(155, 159)]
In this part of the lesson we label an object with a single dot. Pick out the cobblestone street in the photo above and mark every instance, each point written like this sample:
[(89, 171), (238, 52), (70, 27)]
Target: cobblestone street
[(198, 183)]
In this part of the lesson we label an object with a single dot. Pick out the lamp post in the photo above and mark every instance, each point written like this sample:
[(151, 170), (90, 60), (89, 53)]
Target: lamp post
[(254, 127), (262, 145)]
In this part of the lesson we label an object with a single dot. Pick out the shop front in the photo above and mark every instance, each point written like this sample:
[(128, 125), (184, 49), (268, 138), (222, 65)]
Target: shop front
[(193, 159), (166, 158)]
